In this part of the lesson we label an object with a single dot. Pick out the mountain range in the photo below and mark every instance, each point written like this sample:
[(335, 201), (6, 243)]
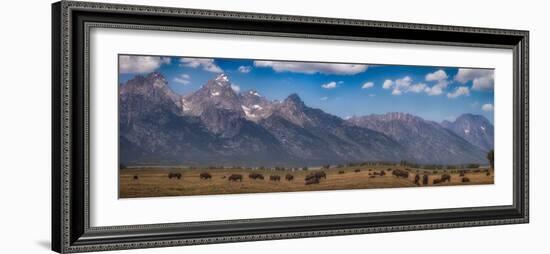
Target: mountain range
[(217, 126)]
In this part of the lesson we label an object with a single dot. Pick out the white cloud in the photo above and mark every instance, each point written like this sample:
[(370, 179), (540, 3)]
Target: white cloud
[(442, 82), (436, 76), (434, 90), (141, 64), (460, 91), (324, 98), (482, 79), (206, 64), (245, 69), (367, 85), (403, 85), (387, 84), (312, 68), (235, 88), (183, 79), (487, 107), (417, 88), (331, 84)]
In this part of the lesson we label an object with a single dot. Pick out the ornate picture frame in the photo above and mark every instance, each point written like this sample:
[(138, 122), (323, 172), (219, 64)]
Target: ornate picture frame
[(71, 24)]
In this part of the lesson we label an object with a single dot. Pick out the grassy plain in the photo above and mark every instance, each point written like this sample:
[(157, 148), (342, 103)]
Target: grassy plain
[(154, 181)]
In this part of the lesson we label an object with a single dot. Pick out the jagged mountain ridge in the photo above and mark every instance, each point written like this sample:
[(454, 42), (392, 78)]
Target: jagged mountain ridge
[(425, 141), (217, 126), (474, 128)]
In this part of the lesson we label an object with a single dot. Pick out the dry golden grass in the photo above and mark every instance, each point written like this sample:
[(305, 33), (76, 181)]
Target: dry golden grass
[(154, 182)]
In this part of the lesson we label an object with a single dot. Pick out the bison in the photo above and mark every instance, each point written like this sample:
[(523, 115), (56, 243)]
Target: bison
[(465, 179), (321, 174), (417, 179), (136, 177), (357, 170), (488, 174), (313, 180), (437, 181), (289, 177), (341, 172), (425, 179), (174, 175), (275, 178), (462, 173), (205, 175), (400, 173), (256, 176), (445, 178), (235, 177)]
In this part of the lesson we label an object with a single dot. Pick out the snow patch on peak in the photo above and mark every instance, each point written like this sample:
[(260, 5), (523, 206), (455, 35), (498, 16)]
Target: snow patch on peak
[(252, 92), (483, 128), (215, 93), (466, 131), (222, 78)]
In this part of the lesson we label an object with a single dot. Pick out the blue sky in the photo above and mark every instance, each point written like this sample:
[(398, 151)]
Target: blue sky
[(433, 93)]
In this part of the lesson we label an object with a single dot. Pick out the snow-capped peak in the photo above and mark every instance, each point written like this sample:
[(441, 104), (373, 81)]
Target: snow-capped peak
[(253, 92), (222, 78)]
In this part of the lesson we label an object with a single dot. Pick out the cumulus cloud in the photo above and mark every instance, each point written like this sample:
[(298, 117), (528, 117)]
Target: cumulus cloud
[(487, 107), (235, 88), (141, 64), (367, 85), (387, 84), (436, 76), (331, 85), (482, 79), (183, 79), (441, 80), (403, 85), (245, 69), (434, 90), (312, 68), (206, 64), (459, 91)]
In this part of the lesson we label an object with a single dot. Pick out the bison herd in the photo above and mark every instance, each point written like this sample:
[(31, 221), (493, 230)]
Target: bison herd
[(315, 177)]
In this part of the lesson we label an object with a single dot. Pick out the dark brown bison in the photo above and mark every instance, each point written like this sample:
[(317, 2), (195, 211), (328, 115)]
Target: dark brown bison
[(437, 181), (417, 179), (425, 179), (389, 169), (321, 174), (313, 180), (462, 173), (382, 173), (275, 178), (465, 179), (235, 177), (256, 176), (400, 173), (445, 178), (289, 177), (372, 176), (174, 175), (136, 177), (357, 170), (488, 174), (205, 175), (341, 172)]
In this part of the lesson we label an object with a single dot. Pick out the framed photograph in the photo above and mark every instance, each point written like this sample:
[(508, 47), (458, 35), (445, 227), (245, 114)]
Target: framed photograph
[(181, 126)]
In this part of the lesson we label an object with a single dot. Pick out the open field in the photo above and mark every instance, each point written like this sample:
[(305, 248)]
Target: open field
[(155, 182)]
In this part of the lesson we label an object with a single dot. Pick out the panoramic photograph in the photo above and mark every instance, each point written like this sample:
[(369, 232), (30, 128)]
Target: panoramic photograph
[(211, 126)]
